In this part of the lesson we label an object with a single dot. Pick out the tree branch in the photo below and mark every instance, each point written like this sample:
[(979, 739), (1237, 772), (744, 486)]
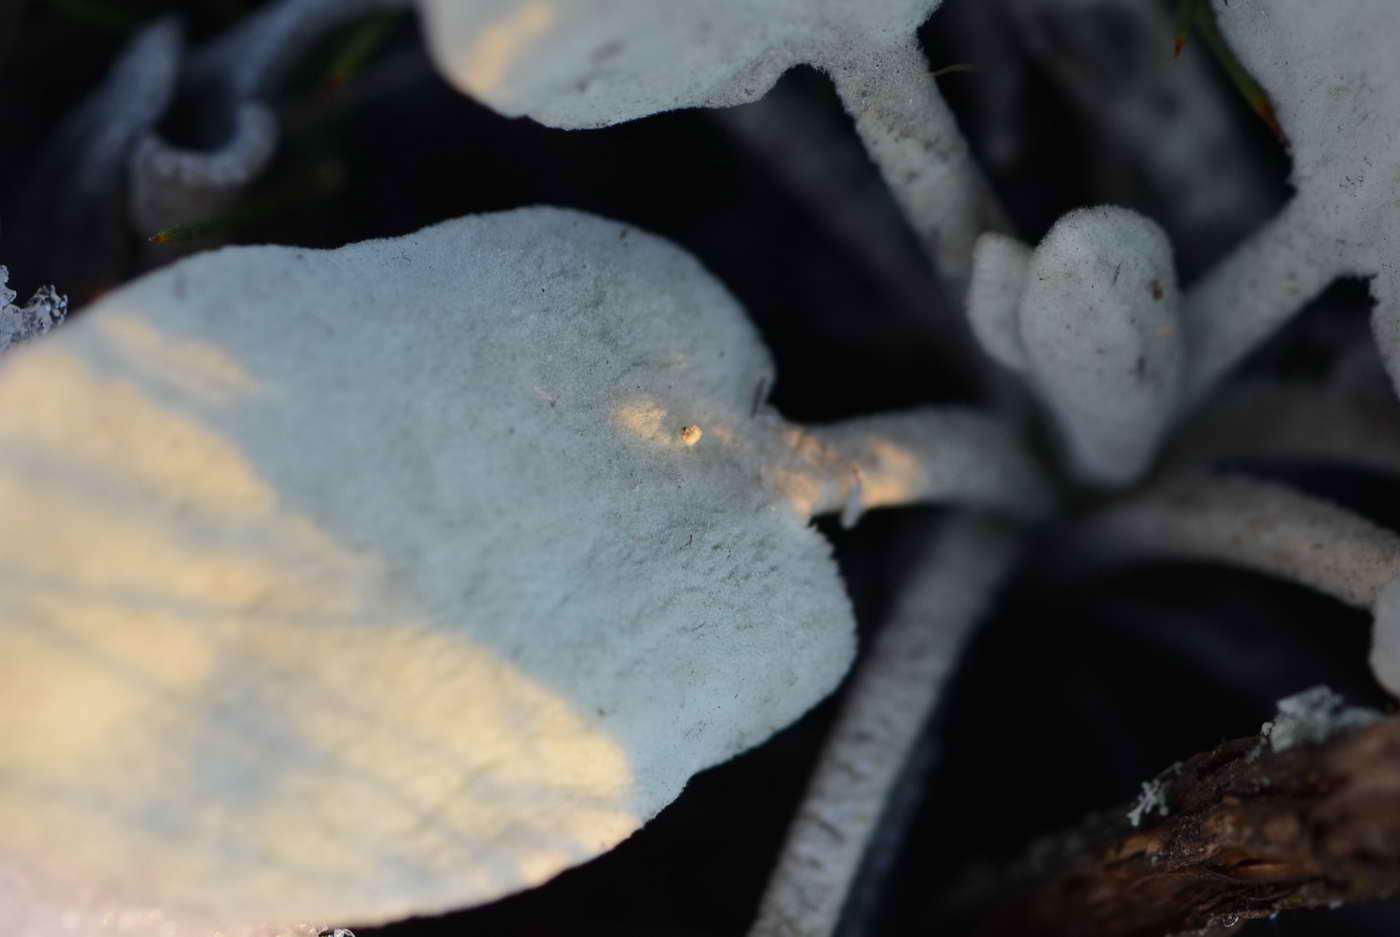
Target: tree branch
[(1249, 832)]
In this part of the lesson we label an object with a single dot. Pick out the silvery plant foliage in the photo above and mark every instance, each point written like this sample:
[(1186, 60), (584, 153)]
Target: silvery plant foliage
[(642, 466)]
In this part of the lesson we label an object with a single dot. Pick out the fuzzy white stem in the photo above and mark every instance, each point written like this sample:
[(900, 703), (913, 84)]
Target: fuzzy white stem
[(1260, 286), (170, 185), (1253, 524), (947, 454), (912, 136), (810, 152), (894, 692)]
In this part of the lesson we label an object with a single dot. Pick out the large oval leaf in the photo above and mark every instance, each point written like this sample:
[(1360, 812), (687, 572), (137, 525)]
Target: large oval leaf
[(360, 583)]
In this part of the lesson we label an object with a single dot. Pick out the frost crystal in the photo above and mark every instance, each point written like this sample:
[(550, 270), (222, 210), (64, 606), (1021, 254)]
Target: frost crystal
[(1311, 717), (45, 309), (1153, 797)]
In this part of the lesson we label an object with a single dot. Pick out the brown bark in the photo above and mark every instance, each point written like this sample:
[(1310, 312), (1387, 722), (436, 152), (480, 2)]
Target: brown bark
[(1249, 833)]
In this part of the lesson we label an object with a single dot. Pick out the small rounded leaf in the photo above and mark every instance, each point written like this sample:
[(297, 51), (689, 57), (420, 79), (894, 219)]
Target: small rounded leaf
[(1100, 326), (999, 267)]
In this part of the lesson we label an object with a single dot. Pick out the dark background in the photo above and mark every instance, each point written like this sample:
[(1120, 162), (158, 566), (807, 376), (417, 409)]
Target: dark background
[(1072, 693)]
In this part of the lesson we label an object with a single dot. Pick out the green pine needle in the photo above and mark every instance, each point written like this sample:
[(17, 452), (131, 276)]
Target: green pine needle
[(320, 181), (1198, 14), (364, 40)]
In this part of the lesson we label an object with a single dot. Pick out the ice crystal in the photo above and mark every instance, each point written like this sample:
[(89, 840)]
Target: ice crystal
[(1311, 717), (45, 309)]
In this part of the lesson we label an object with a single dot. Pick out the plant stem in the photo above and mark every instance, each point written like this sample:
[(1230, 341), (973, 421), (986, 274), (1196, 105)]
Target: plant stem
[(930, 455), (1261, 285), (252, 58), (1249, 833), (171, 184), (1253, 524), (911, 135), (895, 690)]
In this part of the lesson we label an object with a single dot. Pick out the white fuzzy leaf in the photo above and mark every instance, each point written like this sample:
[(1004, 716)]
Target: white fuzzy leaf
[(1334, 80), (353, 584), (589, 63)]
